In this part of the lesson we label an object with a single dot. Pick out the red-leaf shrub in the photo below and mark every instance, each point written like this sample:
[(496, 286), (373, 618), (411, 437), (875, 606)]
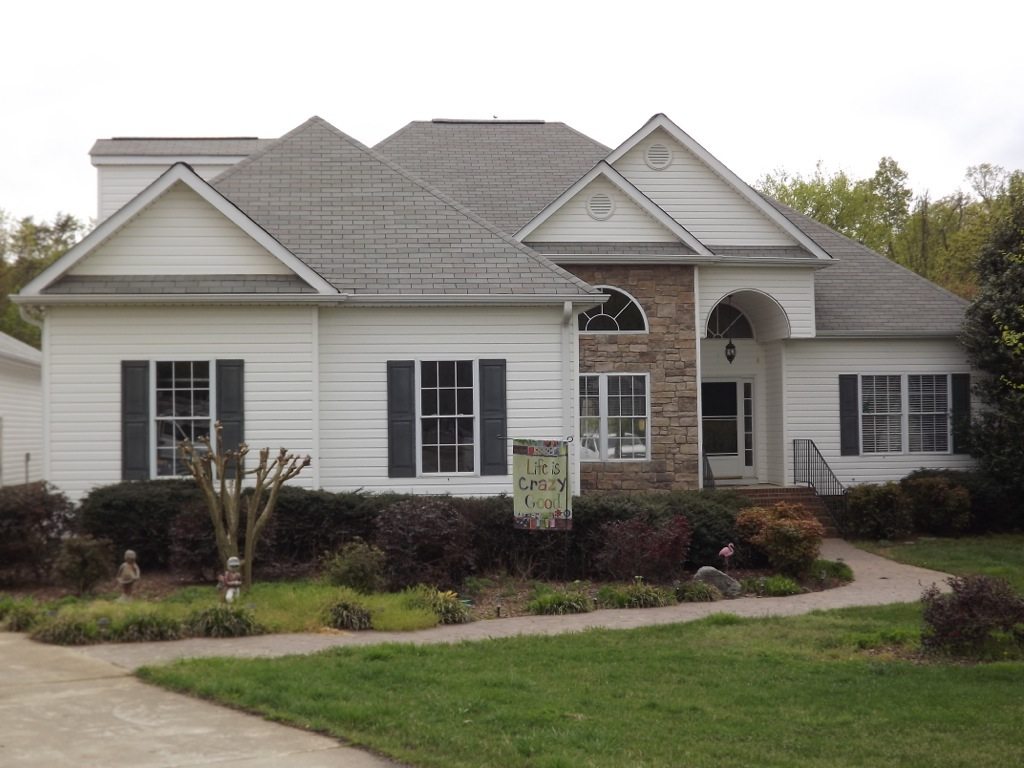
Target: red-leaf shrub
[(787, 535), (981, 614), (425, 541), (33, 519), (640, 547)]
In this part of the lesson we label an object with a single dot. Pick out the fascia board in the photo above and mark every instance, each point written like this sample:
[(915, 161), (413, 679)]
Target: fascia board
[(716, 165), (168, 160), (179, 172)]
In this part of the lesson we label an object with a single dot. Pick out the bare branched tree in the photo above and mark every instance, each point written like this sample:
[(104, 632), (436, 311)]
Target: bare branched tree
[(221, 475)]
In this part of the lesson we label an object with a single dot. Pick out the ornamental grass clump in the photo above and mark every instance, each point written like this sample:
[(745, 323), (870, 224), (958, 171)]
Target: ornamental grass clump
[(636, 595), (558, 602), (222, 620), (697, 592), (349, 615)]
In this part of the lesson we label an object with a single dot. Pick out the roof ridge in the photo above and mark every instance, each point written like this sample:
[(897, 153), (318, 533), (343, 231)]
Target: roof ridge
[(264, 150), (608, 150), (442, 197)]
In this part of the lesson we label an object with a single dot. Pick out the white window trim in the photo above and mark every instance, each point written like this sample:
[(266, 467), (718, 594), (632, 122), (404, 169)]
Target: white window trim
[(476, 415), (212, 362), (632, 298), (602, 388), (905, 414)]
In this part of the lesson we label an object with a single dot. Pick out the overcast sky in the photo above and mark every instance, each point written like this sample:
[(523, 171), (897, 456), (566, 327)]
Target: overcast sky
[(936, 85)]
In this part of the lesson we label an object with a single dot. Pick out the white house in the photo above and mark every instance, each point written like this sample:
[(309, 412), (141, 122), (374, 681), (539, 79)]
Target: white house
[(402, 312), (21, 412)]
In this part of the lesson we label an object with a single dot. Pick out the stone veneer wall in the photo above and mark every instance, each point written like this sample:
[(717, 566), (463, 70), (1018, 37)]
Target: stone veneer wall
[(669, 354)]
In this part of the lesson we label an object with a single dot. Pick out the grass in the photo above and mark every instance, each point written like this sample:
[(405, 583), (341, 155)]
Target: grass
[(720, 692), (992, 555)]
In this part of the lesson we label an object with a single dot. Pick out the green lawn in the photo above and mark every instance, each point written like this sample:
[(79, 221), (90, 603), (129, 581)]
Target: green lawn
[(993, 555), (719, 692)]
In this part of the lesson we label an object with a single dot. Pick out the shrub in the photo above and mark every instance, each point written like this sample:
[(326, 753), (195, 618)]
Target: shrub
[(222, 620), (425, 542), (22, 615), (638, 594), (875, 512), (936, 505), (83, 562), (33, 518), (772, 586), (561, 601), (358, 565), (712, 516), (982, 617), (68, 630), (446, 605), (786, 534), (992, 506), (137, 515), (193, 544), (345, 614), (639, 547), (697, 592)]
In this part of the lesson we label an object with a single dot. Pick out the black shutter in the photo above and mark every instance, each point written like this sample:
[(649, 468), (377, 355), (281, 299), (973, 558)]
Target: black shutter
[(135, 420), (961, 411), (849, 416), (493, 418), (230, 406), (401, 418)]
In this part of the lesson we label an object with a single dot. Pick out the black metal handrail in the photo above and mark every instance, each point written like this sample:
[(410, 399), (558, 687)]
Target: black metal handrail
[(810, 468), (709, 476)]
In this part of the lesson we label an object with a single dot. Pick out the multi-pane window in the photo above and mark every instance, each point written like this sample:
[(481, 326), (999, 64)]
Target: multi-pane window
[(881, 399), (620, 314), (182, 410), (447, 416), (614, 417), (928, 413)]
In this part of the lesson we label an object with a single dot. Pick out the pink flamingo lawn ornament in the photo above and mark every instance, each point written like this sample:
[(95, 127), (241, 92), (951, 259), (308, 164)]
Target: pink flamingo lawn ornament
[(726, 553)]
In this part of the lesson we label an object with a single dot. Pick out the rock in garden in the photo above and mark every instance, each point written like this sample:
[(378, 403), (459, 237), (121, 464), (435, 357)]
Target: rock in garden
[(725, 583)]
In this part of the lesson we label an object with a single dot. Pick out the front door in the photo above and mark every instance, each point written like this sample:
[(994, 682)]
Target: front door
[(727, 425)]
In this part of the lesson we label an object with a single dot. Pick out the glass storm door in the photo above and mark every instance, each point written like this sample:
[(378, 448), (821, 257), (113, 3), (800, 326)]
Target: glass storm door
[(727, 425)]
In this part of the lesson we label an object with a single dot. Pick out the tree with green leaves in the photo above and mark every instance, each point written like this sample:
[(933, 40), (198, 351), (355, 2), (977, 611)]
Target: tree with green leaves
[(27, 248), (993, 334)]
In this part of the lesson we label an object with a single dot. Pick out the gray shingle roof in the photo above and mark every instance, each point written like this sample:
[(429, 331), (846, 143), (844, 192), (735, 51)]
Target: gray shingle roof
[(505, 171), (170, 147), (369, 227), (863, 292), (177, 284)]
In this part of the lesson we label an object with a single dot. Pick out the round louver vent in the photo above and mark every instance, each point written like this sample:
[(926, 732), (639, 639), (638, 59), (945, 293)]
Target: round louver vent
[(600, 206), (658, 156)]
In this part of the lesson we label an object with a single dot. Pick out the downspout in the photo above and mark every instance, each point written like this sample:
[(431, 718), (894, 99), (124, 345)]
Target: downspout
[(697, 345), (570, 374), (315, 365)]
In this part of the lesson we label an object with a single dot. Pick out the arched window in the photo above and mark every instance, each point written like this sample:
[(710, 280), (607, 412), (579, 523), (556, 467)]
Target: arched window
[(727, 322), (620, 314)]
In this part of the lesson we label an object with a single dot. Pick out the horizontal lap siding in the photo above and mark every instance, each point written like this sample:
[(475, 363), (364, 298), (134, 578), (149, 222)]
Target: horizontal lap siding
[(628, 222), (120, 183), (698, 198), (812, 406), (355, 345), (22, 429), (180, 234), (86, 347), (792, 288)]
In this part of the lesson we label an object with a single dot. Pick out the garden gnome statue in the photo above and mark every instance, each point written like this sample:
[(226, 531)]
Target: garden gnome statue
[(231, 580), (127, 575)]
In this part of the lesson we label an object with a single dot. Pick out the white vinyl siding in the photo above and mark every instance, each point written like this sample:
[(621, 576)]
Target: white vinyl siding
[(774, 409), (812, 369), (84, 353), (791, 288), (117, 184), (21, 422), (627, 223), (698, 198), (180, 234), (355, 345)]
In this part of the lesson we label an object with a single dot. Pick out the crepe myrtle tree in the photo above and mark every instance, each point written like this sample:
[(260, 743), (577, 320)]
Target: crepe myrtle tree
[(221, 474)]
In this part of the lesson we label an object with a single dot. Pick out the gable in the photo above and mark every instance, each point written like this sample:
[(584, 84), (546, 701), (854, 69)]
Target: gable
[(697, 197), (626, 222), (179, 233)]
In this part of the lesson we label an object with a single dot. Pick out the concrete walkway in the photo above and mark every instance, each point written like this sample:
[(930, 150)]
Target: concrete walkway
[(63, 706)]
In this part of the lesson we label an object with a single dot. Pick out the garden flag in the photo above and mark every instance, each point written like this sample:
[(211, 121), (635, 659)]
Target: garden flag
[(540, 473)]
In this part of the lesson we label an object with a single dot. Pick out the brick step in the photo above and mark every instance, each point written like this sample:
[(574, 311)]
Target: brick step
[(800, 495)]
